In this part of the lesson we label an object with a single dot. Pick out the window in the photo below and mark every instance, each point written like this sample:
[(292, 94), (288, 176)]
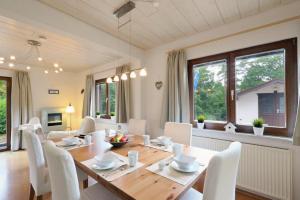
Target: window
[(105, 97), (245, 84)]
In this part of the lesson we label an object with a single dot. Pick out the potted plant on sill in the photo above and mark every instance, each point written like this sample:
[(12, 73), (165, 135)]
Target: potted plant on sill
[(258, 126), (200, 121), (113, 116), (97, 114)]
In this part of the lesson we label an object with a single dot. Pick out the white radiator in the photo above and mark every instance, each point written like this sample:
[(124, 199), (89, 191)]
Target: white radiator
[(264, 170)]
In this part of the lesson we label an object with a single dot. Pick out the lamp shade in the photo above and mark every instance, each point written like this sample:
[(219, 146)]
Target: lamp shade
[(70, 109)]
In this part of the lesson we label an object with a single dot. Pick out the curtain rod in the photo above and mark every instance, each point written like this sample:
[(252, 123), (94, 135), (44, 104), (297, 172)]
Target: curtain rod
[(237, 33)]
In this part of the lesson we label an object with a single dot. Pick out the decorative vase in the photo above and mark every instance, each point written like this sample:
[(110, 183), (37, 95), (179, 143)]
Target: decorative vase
[(200, 125), (258, 131)]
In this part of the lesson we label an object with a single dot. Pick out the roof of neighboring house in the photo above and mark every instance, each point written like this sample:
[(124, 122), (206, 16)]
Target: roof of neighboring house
[(266, 84)]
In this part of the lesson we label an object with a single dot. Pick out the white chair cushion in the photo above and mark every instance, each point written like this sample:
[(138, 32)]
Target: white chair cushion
[(179, 132), (192, 194), (96, 192)]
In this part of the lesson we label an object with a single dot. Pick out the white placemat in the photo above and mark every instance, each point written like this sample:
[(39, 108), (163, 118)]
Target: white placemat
[(61, 144), (176, 176), (122, 168), (156, 145)]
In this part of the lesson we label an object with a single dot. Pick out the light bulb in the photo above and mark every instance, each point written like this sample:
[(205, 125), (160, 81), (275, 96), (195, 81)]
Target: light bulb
[(132, 74), (11, 64), (116, 78), (143, 72), (108, 80), (56, 71), (55, 65), (40, 58), (61, 69), (2, 58), (12, 57), (28, 67), (46, 71), (124, 77)]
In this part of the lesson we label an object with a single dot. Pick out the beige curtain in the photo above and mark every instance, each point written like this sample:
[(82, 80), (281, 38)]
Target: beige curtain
[(176, 96), (22, 106), (296, 135), (123, 97), (88, 108)]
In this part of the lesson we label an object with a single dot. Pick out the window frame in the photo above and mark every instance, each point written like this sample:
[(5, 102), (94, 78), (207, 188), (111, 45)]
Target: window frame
[(291, 85), (103, 81)]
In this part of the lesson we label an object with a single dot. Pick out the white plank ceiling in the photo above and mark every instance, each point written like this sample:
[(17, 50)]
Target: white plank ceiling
[(71, 55), (172, 20)]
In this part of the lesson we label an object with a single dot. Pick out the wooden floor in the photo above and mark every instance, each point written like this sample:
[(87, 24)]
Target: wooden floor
[(14, 178)]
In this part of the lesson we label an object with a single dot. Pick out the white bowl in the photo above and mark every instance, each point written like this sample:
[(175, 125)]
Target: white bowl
[(106, 159), (164, 139), (70, 140), (184, 161)]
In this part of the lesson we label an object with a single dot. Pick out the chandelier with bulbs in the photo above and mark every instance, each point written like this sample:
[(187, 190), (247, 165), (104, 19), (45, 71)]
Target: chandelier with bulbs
[(34, 53), (121, 11)]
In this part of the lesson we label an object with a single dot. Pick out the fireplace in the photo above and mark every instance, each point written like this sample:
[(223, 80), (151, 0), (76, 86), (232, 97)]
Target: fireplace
[(54, 119)]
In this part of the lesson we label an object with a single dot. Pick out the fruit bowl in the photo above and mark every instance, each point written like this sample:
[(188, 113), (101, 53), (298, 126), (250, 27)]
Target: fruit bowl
[(118, 140)]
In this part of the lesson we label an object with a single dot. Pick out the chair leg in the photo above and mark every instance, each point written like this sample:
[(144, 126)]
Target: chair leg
[(39, 197), (31, 193), (85, 183)]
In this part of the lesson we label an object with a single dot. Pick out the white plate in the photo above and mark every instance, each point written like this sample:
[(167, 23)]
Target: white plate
[(193, 168), (99, 167), (70, 144)]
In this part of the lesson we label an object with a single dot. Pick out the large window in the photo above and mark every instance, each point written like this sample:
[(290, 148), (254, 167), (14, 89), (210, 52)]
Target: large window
[(242, 85), (105, 98)]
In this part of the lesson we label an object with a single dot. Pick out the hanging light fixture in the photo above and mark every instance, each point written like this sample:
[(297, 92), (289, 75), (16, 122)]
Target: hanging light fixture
[(132, 74), (109, 80), (124, 76), (33, 53), (116, 78), (143, 72)]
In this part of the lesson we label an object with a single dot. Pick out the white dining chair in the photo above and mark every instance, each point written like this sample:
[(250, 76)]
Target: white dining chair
[(179, 132), (64, 178), (38, 172), (220, 179), (137, 127), (87, 126)]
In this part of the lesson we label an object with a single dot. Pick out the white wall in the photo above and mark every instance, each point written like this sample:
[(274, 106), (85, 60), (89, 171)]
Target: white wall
[(216, 41)]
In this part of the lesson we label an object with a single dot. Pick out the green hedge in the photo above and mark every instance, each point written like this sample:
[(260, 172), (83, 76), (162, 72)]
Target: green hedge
[(2, 116)]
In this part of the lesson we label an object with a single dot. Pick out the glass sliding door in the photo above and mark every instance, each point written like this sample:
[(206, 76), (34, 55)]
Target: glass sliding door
[(5, 112)]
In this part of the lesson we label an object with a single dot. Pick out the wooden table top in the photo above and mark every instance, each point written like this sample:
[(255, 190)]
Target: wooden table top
[(140, 184)]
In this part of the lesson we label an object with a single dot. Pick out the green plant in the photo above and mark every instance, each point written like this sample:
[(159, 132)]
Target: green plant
[(258, 123), (201, 118), (112, 114), (97, 113), (2, 115)]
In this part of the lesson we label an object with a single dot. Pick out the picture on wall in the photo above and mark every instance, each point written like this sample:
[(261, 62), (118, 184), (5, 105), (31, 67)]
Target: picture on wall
[(53, 91)]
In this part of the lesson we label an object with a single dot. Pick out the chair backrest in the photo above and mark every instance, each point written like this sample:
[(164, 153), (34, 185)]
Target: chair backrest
[(62, 171), (221, 174), (37, 165), (137, 127), (87, 125), (34, 120), (179, 132)]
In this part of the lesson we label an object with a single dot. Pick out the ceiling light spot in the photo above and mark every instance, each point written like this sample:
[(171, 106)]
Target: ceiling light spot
[(12, 57), (40, 58), (11, 64), (28, 67), (2, 58), (61, 69), (56, 65), (46, 72), (1, 61)]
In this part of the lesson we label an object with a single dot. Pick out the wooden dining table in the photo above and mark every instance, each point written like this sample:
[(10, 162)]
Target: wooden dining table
[(140, 184)]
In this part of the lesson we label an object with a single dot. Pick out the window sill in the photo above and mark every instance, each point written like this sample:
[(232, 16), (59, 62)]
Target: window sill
[(270, 141), (106, 121)]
